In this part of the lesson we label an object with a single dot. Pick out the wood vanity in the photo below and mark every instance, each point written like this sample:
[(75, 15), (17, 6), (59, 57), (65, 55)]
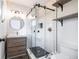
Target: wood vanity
[(16, 46)]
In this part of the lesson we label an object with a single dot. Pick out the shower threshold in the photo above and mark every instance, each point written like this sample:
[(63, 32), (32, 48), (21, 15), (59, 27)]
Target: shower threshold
[(37, 53)]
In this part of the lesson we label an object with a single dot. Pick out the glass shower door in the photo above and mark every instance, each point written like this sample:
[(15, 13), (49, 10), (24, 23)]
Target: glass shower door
[(43, 34), (38, 43)]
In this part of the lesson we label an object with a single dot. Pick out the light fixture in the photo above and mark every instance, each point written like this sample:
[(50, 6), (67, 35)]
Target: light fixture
[(31, 17)]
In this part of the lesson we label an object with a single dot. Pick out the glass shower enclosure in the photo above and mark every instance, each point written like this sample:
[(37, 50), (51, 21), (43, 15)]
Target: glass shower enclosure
[(43, 30)]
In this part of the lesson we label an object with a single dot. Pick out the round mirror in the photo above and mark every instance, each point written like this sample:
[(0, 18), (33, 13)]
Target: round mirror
[(16, 23)]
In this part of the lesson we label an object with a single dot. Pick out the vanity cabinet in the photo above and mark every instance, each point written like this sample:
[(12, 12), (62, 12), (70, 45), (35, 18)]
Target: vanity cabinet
[(16, 47)]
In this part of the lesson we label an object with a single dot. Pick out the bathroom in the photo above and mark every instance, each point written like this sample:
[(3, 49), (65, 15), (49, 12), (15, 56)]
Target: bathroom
[(39, 29)]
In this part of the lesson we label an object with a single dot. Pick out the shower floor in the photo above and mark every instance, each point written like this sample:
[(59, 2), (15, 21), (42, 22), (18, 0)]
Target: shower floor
[(37, 52)]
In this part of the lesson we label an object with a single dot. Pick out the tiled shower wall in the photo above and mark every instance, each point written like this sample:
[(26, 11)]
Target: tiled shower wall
[(44, 38)]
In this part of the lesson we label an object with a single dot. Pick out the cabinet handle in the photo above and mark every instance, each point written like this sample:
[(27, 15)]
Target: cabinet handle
[(2, 40)]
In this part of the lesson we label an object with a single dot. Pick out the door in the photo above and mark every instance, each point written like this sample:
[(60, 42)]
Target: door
[(2, 43)]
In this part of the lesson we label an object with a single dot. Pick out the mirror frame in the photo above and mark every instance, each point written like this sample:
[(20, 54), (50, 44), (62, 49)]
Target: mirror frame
[(18, 19)]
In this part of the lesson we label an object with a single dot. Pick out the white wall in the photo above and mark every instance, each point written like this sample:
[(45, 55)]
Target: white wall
[(50, 36), (68, 38)]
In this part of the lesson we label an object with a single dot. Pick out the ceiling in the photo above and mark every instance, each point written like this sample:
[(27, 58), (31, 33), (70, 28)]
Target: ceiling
[(26, 5), (31, 3)]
